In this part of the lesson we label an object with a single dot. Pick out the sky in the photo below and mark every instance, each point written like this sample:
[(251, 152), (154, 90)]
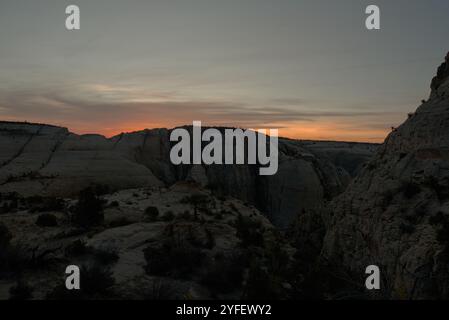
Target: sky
[(307, 67)]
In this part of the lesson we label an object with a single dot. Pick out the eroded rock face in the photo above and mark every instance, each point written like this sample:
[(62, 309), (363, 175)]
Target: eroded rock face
[(395, 214), (51, 161)]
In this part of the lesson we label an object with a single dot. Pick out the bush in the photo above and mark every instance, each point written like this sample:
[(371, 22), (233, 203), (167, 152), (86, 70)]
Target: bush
[(96, 280), (176, 260), (46, 220), (5, 236), (5, 249), (168, 216), (10, 258), (443, 233), (441, 188), (225, 274), (198, 201), (76, 248), (160, 290), (21, 291), (261, 285), (186, 216), (249, 231), (89, 209), (151, 213)]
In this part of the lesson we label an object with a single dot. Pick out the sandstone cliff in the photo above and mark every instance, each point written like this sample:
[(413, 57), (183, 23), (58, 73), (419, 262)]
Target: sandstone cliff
[(38, 159), (395, 214)]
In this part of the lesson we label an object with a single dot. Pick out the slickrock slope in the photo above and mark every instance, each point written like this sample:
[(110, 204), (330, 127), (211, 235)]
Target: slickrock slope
[(153, 243), (395, 214), (47, 160)]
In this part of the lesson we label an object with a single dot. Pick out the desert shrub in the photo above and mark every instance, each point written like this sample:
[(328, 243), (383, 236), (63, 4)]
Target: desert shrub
[(88, 211), (199, 240), (198, 201), (11, 260), (186, 216), (168, 216), (260, 285), (277, 259), (440, 188), (160, 290), (176, 260), (76, 248), (152, 213), (10, 203), (120, 222), (410, 189), (443, 233), (46, 220), (40, 204), (96, 280), (249, 231), (225, 274), (21, 291), (5, 236), (210, 239)]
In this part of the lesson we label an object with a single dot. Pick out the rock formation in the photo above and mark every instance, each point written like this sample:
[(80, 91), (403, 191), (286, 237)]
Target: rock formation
[(395, 213), (37, 159)]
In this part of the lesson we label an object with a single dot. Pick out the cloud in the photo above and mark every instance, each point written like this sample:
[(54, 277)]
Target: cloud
[(123, 113)]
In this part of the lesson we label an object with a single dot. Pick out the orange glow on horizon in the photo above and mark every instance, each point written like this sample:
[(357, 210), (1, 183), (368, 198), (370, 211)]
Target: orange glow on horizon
[(304, 131), (317, 130)]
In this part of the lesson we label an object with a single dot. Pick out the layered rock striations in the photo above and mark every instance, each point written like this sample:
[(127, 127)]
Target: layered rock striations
[(39, 159)]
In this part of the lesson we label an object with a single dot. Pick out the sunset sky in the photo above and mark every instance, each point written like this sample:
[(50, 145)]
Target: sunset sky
[(309, 68)]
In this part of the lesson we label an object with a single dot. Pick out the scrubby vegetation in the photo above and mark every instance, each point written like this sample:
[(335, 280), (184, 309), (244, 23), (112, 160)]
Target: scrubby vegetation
[(10, 260), (152, 213), (88, 211), (225, 274), (249, 231), (21, 291), (47, 220), (76, 248), (160, 290), (174, 259)]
